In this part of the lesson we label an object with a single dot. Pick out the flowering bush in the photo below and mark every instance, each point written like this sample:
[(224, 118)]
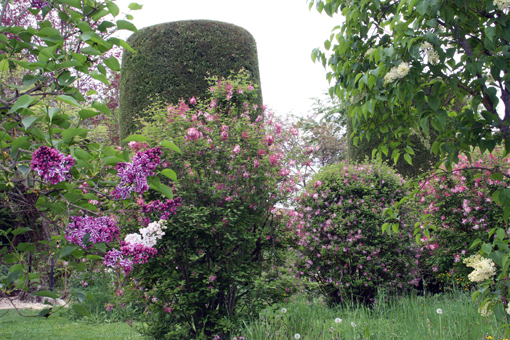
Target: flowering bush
[(339, 219), (459, 206), (210, 260)]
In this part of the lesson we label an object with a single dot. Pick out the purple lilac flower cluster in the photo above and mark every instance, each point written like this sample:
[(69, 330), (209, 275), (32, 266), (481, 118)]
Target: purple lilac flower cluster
[(101, 229), (129, 255), (39, 4), (168, 208), (52, 165), (133, 176)]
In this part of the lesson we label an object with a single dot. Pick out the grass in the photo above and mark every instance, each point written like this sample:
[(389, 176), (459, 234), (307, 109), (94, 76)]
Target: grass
[(56, 327), (412, 317)]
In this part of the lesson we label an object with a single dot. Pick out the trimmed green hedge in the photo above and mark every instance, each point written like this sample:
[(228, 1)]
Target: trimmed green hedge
[(173, 59)]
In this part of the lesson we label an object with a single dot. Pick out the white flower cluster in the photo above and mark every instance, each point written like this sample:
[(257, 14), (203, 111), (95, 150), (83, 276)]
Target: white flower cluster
[(367, 53), (486, 309), (484, 268), (432, 55), (397, 72), (502, 4), (148, 236)]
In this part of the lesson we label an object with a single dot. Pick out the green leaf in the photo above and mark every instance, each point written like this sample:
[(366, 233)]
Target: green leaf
[(100, 246), (19, 231), (27, 121), (47, 293), (69, 100), (487, 248), (126, 25), (80, 154), (134, 6), (80, 309), (112, 160), (29, 247), (113, 8), (13, 276), (79, 294), (101, 107), (85, 114), (170, 145), (67, 250), (71, 132), (170, 174), (112, 63), (4, 65), (44, 312), (408, 159), (135, 138), (166, 190), (497, 176), (90, 51), (22, 103)]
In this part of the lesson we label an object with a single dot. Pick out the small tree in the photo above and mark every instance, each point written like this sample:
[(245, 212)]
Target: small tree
[(215, 249)]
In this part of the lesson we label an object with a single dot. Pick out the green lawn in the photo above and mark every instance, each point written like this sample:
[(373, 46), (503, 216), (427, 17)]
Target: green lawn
[(15, 327)]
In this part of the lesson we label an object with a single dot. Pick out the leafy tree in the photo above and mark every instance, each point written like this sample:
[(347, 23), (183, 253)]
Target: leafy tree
[(405, 64)]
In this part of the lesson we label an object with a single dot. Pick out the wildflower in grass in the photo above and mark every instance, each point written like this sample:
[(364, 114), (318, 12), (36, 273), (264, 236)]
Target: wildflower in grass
[(353, 324), (484, 268), (297, 336), (508, 309), (338, 320), (439, 311), (284, 310)]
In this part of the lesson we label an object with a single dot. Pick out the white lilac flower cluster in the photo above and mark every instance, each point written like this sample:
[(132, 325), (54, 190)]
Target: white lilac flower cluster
[(432, 55), (502, 4), (484, 268), (397, 72), (148, 236), (367, 53), (485, 310)]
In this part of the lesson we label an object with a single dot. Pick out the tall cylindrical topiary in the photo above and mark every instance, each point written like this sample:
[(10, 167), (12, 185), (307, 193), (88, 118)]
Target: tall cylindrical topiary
[(173, 59)]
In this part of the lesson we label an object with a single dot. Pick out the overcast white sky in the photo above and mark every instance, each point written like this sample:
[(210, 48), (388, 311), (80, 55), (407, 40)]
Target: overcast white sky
[(285, 32)]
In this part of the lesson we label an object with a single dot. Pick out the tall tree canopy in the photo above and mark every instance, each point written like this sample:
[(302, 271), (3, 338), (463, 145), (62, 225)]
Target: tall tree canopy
[(407, 65)]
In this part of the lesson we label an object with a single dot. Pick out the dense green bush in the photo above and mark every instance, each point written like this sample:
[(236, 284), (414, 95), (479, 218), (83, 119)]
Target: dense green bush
[(173, 59), (341, 245)]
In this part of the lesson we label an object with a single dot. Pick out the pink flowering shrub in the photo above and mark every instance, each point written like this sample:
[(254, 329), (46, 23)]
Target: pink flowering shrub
[(459, 206), (338, 220), (210, 261)]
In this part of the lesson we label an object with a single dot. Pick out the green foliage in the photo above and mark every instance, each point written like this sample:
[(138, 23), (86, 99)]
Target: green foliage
[(424, 160), (339, 219), (173, 59), (408, 66)]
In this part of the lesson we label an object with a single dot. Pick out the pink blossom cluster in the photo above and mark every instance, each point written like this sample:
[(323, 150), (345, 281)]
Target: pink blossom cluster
[(133, 176), (101, 230), (52, 165)]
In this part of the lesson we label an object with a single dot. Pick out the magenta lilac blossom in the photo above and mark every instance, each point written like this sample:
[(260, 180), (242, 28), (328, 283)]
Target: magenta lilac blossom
[(52, 165), (133, 176), (101, 229)]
